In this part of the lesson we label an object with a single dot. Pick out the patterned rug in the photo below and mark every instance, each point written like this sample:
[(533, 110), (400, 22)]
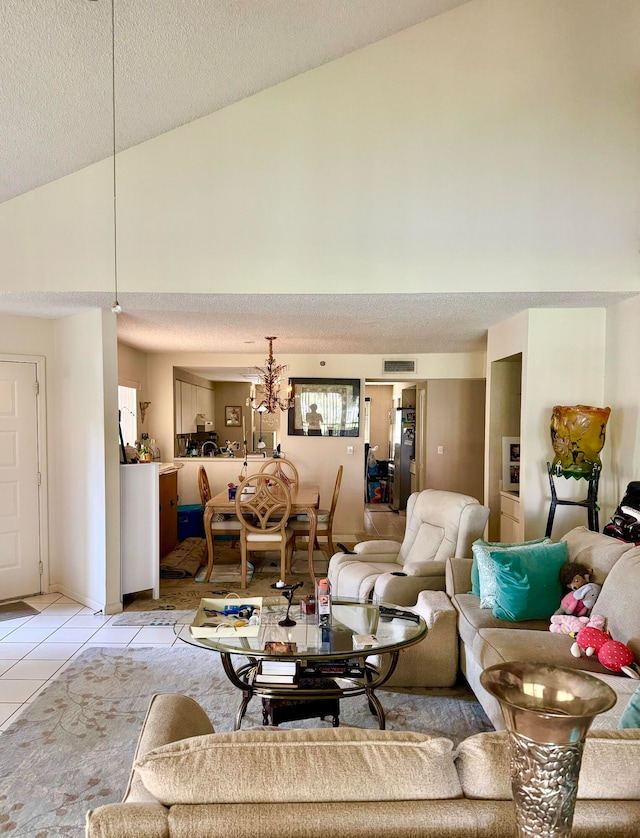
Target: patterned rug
[(72, 749), (186, 593)]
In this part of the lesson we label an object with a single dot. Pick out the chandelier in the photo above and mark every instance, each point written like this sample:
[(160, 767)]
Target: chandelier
[(271, 377)]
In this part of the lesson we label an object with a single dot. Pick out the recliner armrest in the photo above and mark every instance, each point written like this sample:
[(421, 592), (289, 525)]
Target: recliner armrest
[(458, 576), (370, 548)]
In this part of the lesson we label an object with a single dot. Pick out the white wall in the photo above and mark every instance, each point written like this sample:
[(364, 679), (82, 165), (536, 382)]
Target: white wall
[(316, 458), (84, 497), (492, 147), (563, 360), (622, 394)]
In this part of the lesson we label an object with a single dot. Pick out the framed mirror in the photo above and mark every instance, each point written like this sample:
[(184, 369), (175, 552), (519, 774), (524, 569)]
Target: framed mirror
[(325, 407)]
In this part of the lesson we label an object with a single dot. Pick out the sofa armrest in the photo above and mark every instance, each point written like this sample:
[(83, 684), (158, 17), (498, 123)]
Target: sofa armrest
[(375, 548), (169, 718), (458, 576), (433, 662), (123, 820)]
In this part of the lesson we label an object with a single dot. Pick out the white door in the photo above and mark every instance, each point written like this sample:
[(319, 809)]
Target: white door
[(19, 513)]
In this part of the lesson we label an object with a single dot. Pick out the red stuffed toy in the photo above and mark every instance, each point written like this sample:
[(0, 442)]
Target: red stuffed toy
[(611, 653)]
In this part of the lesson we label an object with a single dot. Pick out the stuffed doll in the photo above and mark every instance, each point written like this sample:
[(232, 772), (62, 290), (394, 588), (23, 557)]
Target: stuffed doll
[(582, 591), (568, 624), (610, 653)]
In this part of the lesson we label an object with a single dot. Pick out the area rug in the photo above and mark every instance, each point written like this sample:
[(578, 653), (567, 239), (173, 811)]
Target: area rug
[(72, 749), (13, 610), (159, 617)]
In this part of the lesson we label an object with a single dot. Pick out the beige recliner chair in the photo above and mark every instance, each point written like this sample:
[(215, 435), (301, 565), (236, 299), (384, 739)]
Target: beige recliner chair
[(440, 525)]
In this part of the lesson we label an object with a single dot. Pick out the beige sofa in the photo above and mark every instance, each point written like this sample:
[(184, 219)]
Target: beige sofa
[(485, 640), (189, 782)]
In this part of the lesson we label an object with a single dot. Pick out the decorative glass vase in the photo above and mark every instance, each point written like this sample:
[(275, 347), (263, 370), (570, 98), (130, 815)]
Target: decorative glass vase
[(577, 437), (548, 711)]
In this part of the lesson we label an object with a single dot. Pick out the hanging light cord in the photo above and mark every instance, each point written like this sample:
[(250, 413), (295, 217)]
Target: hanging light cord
[(116, 308)]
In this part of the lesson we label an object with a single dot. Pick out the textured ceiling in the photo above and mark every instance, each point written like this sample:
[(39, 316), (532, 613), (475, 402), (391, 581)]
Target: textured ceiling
[(175, 60), (388, 324)]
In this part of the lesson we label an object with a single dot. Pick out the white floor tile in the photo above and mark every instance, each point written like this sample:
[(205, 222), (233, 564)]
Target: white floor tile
[(155, 634), (28, 634), (33, 669), (18, 690), (115, 634), (42, 600), (71, 635), (4, 665), (15, 651), (86, 621), (53, 651), (68, 608), (96, 644), (7, 626), (48, 620), (7, 713)]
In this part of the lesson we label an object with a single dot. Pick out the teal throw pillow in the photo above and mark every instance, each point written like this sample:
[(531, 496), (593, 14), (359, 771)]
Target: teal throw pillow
[(528, 583), (483, 571), (631, 715)]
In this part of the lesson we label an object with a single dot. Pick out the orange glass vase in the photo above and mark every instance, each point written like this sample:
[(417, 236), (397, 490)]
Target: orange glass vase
[(578, 436)]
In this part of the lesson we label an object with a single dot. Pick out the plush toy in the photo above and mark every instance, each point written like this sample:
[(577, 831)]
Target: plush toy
[(610, 653), (568, 624), (582, 591)]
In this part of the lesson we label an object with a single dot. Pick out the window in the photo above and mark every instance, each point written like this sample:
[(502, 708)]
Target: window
[(127, 404)]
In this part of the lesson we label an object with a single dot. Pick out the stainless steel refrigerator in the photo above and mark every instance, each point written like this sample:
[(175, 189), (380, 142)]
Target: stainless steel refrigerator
[(402, 441)]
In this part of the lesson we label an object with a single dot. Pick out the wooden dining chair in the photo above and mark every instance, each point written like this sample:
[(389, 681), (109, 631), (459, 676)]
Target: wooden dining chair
[(226, 527), (263, 506), (324, 526), (283, 469)]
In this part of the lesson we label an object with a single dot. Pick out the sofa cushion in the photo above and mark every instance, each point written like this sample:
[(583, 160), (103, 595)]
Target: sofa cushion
[(619, 601), (483, 763), (492, 646), (528, 582), (597, 551), (472, 618), (320, 764), (481, 557)]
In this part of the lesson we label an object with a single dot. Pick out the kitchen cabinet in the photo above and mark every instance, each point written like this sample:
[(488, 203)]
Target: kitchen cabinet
[(168, 512), (511, 526)]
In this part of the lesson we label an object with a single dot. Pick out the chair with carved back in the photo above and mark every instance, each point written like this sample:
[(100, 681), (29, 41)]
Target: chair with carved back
[(284, 469), (324, 526), (222, 527), (263, 506)]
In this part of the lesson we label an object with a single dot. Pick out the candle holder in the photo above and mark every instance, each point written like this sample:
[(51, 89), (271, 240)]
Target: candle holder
[(287, 593), (548, 711)]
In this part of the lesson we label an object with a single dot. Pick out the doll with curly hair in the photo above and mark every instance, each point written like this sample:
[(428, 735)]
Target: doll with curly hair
[(582, 592)]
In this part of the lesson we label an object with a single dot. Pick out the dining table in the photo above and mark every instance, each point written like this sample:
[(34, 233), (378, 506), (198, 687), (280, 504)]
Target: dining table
[(304, 499)]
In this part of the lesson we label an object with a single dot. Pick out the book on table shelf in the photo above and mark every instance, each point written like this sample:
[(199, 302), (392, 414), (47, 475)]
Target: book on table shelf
[(288, 676), (278, 667), (336, 668), (281, 680)]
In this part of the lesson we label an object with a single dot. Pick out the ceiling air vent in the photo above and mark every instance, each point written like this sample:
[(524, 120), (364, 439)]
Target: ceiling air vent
[(398, 366)]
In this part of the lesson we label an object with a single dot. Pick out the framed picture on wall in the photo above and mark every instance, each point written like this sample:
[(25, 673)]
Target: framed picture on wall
[(511, 463), (232, 416)]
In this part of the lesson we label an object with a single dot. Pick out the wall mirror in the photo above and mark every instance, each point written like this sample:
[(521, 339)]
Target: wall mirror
[(325, 407)]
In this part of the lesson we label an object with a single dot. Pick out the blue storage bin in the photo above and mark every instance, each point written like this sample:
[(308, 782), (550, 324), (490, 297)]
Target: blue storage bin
[(190, 521)]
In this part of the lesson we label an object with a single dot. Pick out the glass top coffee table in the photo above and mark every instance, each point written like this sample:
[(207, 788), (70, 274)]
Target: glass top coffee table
[(332, 662)]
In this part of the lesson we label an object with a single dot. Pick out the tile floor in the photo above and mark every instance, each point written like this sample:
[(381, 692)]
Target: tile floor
[(33, 650)]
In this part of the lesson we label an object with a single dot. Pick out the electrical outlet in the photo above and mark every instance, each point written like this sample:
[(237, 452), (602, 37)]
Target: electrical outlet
[(440, 449)]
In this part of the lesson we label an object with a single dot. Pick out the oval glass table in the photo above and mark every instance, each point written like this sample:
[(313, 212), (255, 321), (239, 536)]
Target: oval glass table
[(333, 661)]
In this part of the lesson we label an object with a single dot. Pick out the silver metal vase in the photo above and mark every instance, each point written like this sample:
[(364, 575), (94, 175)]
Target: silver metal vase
[(548, 711)]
